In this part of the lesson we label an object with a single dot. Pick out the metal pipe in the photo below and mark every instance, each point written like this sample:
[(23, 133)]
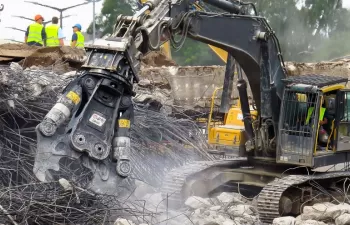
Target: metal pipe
[(93, 22), (247, 118), (212, 108), (93, 19), (153, 3), (141, 11), (61, 19), (225, 5)]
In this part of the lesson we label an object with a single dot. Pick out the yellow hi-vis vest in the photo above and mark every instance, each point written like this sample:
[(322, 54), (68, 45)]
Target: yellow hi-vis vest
[(52, 35), (34, 34), (309, 113), (80, 40)]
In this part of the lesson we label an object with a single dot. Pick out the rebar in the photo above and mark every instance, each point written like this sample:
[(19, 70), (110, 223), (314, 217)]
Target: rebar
[(159, 143)]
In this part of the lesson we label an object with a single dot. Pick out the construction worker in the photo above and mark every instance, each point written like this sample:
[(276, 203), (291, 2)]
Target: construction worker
[(35, 34), (322, 117), (78, 37), (323, 135), (54, 34)]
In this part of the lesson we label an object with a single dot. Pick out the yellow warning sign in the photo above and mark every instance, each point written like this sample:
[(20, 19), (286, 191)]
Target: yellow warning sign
[(74, 97), (124, 123)]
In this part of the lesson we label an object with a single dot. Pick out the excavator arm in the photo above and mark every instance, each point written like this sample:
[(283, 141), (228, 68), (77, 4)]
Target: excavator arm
[(248, 39)]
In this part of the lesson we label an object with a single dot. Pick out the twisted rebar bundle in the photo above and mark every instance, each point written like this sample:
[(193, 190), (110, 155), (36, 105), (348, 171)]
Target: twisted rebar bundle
[(159, 143)]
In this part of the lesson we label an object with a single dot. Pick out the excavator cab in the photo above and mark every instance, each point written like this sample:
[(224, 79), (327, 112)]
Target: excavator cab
[(314, 121)]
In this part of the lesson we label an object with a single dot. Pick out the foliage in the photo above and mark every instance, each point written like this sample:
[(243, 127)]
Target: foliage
[(303, 26), (307, 29), (196, 54), (333, 47), (110, 10)]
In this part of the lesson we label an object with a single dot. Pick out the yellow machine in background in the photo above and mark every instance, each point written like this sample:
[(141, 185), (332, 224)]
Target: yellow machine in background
[(230, 134)]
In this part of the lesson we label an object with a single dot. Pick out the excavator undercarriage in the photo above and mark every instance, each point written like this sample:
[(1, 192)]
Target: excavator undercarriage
[(281, 190), (286, 181)]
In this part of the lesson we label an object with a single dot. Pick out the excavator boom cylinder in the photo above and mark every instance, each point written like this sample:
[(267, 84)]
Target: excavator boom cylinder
[(225, 5), (152, 3)]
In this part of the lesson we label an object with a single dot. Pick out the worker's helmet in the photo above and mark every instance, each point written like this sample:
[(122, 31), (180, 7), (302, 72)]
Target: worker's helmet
[(77, 26), (38, 17)]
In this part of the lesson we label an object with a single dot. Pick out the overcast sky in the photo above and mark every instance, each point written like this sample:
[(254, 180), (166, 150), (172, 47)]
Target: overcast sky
[(80, 14)]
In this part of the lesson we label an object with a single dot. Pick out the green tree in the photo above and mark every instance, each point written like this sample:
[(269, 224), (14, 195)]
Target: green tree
[(195, 53), (303, 27), (333, 47), (110, 10)]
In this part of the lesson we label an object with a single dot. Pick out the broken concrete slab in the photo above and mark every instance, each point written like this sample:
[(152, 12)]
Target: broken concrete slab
[(59, 58), (286, 220), (195, 202), (193, 86)]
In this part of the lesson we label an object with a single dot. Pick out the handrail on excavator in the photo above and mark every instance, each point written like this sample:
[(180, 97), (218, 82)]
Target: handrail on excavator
[(212, 107)]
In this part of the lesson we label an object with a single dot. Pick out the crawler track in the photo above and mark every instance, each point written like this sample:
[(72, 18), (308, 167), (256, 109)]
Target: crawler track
[(268, 200), (175, 180), (269, 197)]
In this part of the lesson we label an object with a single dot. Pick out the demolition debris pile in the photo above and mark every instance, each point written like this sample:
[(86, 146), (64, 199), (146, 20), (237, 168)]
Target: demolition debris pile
[(26, 95), (235, 209)]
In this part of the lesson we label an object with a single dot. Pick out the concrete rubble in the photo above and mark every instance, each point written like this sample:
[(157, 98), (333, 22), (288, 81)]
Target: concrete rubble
[(234, 209), (225, 209), (319, 214)]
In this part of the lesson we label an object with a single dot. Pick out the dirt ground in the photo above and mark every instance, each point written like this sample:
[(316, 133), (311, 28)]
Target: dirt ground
[(157, 59), (21, 47)]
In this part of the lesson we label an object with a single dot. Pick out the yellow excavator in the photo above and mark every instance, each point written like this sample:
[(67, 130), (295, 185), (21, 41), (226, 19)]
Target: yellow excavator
[(227, 135)]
